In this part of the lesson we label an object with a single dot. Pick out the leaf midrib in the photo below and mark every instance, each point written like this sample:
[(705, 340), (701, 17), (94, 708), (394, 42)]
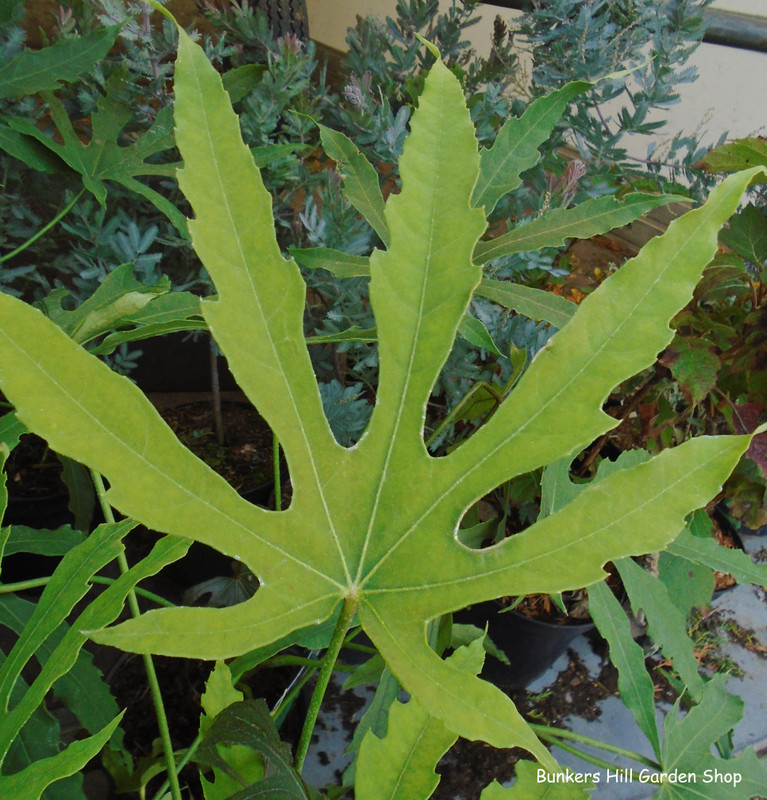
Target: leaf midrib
[(151, 467), (288, 384), (543, 408), (393, 440), (519, 564)]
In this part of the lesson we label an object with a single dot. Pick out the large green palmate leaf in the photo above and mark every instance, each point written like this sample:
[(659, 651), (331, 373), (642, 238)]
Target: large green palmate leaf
[(36, 71), (373, 527), (104, 157)]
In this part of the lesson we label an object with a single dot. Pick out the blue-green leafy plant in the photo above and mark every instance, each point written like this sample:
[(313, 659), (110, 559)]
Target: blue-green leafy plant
[(370, 535), (573, 41)]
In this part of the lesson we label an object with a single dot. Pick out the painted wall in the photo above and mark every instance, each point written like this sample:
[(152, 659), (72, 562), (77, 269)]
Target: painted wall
[(729, 95)]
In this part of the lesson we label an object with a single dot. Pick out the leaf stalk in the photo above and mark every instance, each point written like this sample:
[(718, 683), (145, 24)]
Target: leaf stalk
[(36, 583), (555, 735), (154, 686), (32, 239), (328, 662)]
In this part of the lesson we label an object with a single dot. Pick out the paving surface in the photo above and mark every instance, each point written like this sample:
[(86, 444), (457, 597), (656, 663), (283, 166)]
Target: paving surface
[(745, 604)]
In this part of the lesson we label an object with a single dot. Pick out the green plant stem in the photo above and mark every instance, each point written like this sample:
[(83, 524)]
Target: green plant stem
[(298, 661), (595, 760), (32, 239), (276, 467), (360, 648), (154, 687), (554, 735), (326, 670), (35, 583), (23, 586), (182, 762)]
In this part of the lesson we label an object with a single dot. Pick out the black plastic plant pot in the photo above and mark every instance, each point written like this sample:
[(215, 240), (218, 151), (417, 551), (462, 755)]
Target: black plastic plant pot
[(531, 645)]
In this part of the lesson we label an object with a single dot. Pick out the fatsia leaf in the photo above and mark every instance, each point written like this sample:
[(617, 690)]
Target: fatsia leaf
[(248, 724), (11, 430), (37, 71), (82, 495), (515, 149), (667, 625), (475, 332), (634, 682), (101, 611), (340, 264), (370, 671), (43, 542), (167, 313), (393, 554), (82, 688), (28, 150), (400, 766), (374, 720), (736, 155), (104, 157), (41, 735), (528, 786), (68, 584), (263, 156), (557, 490), (10, 433), (747, 234), (533, 303), (220, 694), (687, 745), (552, 229), (119, 296), (121, 301), (360, 179), (709, 553), (30, 783), (39, 738), (688, 585)]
